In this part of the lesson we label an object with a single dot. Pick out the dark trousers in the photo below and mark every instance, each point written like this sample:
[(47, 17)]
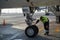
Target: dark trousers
[(46, 27)]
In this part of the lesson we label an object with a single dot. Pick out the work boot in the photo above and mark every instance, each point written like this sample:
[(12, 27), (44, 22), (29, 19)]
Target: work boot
[(47, 33), (44, 33)]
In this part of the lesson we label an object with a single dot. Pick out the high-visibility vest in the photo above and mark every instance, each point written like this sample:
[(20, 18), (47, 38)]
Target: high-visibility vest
[(44, 19)]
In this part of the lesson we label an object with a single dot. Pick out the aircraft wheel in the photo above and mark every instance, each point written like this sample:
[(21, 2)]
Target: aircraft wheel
[(31, 31)]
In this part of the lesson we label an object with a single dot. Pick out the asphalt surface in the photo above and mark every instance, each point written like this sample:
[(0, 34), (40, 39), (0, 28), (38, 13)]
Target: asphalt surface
[(16, 32)]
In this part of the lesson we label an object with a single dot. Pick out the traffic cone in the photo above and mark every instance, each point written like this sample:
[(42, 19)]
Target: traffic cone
[(4, 22)]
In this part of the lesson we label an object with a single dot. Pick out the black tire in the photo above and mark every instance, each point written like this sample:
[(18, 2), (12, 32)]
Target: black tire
[(34, 28)]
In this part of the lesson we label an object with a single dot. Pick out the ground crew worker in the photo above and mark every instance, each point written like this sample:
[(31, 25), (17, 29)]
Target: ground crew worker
[(45, 21)]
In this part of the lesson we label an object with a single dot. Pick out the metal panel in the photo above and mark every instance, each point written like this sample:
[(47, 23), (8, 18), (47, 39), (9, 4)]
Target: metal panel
[(20, 3)]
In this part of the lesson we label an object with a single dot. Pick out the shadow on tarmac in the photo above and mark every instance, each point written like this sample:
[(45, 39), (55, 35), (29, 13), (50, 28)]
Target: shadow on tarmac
[(6, 25), (7, 34), (38, 37), (2, 31), (7, 31), (53, 36)]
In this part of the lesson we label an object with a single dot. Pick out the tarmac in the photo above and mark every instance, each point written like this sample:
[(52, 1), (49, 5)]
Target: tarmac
[(16, 32)]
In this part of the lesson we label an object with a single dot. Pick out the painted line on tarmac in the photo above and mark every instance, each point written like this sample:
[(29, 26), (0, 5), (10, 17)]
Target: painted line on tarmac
[(15, 36), (18, 39)]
